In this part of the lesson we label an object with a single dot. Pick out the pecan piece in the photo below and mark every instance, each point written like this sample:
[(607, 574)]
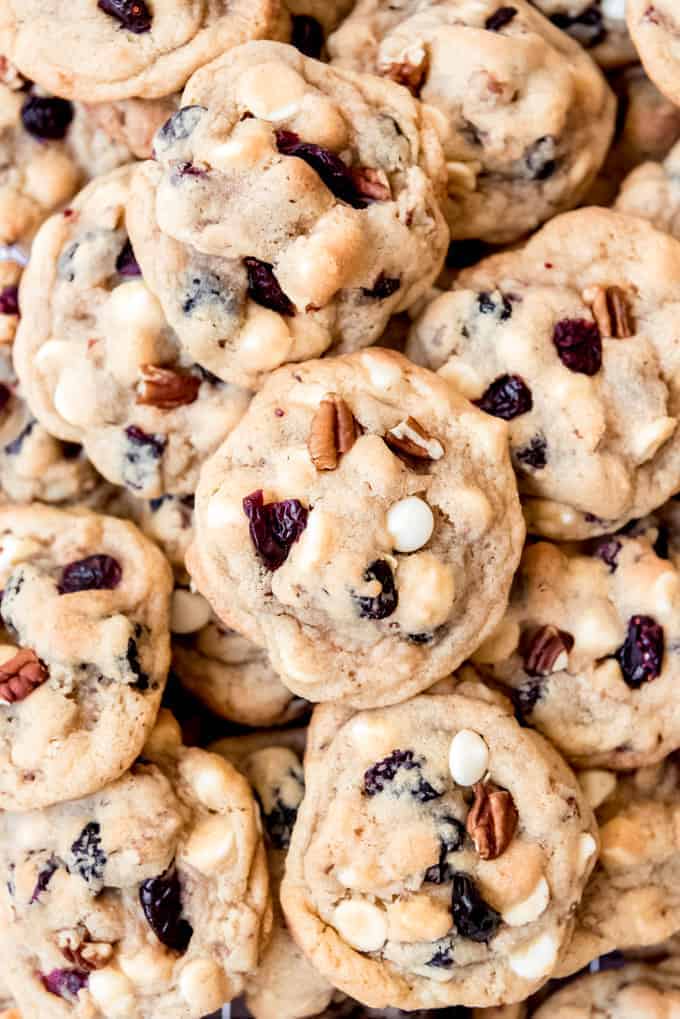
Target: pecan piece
[(371, 184), (611, 311), (75, 945), (166, 389), (545, 650), (492, 820), (21, 675), (409, 437), (333, 432), (407, 72)]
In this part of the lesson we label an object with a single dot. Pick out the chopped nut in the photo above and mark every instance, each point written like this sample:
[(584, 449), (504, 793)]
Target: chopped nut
[(333, 432), (492, 820), (371, 184), (21, 675), (406, 72), (166, 389), (410, 437), (545, 650), (611, 311), (74, 945)]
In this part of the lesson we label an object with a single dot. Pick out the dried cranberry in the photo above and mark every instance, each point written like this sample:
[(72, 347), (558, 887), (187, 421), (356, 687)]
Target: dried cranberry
[(126, 263), (534, 454), (609, 961), (540, 158), (507, 397), (662, 545), (443, 957), (383, 287), (586, 27), (335, 174), (607, 549), (187, 169), (384, 604), (65, 983), (161, 899), (500, 18), (279, 823), (307, 35), (264, 288), (47, 117), (9, 301), (474, 918), (153, 444), (274, 527), (579, 345), (178, 127), (132, 659), (641, 655), (44, 878), (385, 771), (463, 254), (526, 697), (451, 834), (93, 573), (133, 15), (14, 445), (89, 859), (488, 306)]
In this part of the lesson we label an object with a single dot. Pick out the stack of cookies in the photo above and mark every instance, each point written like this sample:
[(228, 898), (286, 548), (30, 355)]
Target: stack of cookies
[(339, 509)]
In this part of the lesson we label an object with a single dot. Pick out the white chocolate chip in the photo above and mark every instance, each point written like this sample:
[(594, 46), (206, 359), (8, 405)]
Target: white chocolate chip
[(250, 142), (587, 847), (149, 967), (210, 777), (361, 924), (210, 844), (75, 395), (463, 376), (271, 91), (265, 341), (190, 612), (530, 908), (614, 9), (203, 985), (383, 372), (410, 523), (113, 992), (16, 550), (597, 785), (224, 511), (427, 591), (648, 440), (418, 918), (536, 959), (132, 305), (468, 757)]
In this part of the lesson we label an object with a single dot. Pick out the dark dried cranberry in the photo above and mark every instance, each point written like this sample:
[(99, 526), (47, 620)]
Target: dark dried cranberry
[(540, 158), (607, 549), (44, 878), (132, 659), (126, 263), (133, 15), (178, 127), (463, 254), (500, 18), (161, 899), (586, 27), (274, 527), (307, 35), (89, 859), (93, 573), (385, 771), (383, 287), (451, 834), (579, 345), (5, 395), (662, 545), (279, 823), (153, 444), (187, 169), (606, 963), (71, 450), (534, 455), (526, 697), (335, 174), (9, 301), (474, 918), (507, 397), (264, 288), (47, 117), (641, 655), (489, 306), (65, 983), (384, 604), (443, 956)]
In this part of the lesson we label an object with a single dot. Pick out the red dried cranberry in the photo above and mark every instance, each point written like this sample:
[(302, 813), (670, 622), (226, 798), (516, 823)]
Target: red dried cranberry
[(126, 263), (264, 288), (274, 527), (507, 397), (474, 918), (93, 573), (47, 117), (65, 983), (607, 549), (335, 174), (155, 444), (161, 899), (133, 15), (9, 301), (500, 18), (307, 35), (385, 771), (579, 345), (641, 655), (383, 287), (383, 604), (534, 454)]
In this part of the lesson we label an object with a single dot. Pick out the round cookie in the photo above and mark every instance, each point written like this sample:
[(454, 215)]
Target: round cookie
[(110, 50), (571, 340), (598, 25), (85, 651), (97, 361), (291, 207), (652, 191), (655, 30), (438, 854), (108, 916), (633, 992), (525, 116), (590, 649), (362, 524)]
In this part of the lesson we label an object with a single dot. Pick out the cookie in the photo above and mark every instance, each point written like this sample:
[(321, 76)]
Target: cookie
[(85, 651), (362, 524), (599, 26), (291, 207), (633, 992), (438, 854), (107, 915), (111, 50), (655, 30), (525, 116), (589, 649), (99, 364), (571, 340), (652, 191)]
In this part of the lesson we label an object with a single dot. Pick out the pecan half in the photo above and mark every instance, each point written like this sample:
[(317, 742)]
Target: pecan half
[(166, 389), (407, 72), (371, 184), (611, 311), (410, 437), (545, 650), (333, 432), (21, 675), (75, 945), (492, 820)]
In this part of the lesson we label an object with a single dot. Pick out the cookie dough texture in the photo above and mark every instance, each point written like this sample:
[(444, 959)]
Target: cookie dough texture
[(337, 601), (101, 646), (147, 899), (643, 992), (99, 364), (652, 191), (384, 890), (599, 26), (655, 30), (590, 388), (589, 650), (80, 51), (292, 207), (524, 114)]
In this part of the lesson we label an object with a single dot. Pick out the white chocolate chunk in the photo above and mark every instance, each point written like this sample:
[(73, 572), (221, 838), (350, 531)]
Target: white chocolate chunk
[(361, 924), (113, 992), (75, 395), (530, 908), (535, 959), (587, 848), (16, 550), (210, 777), (265, 340), (649, 439), (597, 785), (418, 918), (614, 9), (410, 523), (210, 844), (468, 757), (225, 511), (190, 612), (271, 91), (203, 985)]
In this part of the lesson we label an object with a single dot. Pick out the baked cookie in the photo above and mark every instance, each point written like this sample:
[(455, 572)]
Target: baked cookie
[(428, 866), (571, 340), (598, 25), (103, 50), (655, 30), (291, 207), (590, 649), (633, 992), (97, 361), (85, 654), (525, 115), (652, 191), (362, 513), (146, 900)]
